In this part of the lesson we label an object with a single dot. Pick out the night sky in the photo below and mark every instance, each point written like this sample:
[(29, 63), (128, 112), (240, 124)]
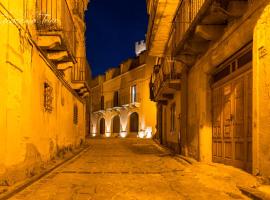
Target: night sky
[(113, 27)]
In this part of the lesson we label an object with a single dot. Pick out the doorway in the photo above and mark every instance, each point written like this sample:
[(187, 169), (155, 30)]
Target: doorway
[(102, 126), (116, 125), (134, 123)]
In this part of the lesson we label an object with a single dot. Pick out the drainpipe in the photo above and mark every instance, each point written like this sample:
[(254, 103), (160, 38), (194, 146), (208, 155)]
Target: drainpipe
[(184, 111)]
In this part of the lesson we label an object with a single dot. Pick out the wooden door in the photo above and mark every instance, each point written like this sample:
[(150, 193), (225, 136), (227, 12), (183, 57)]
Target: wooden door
[(116, 124), (232, 122), (134, 123), (102, 126)]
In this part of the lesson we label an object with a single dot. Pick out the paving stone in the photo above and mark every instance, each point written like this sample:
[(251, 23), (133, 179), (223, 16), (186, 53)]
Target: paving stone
[(133, 169)]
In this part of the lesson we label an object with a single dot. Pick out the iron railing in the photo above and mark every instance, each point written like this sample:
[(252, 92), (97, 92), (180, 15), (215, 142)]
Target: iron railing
[(125, 99), (167, 71), (55, 16), (81, 71), (111, 104), (185, 15), (152, 22)]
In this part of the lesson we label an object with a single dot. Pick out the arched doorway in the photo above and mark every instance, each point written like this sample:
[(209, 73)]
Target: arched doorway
[(116, 125), (134, 123), (102, 126)]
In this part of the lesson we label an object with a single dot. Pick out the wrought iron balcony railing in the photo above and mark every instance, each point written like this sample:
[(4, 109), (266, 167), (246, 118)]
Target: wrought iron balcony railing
[(81, 71), (189, 14), (126, 99), (123, 101), (54, 16), (168, 71), (185, 15)]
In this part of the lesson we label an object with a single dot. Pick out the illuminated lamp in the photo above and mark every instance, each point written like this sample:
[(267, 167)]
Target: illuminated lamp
[(148, 132), (141, 134), (123, 134)]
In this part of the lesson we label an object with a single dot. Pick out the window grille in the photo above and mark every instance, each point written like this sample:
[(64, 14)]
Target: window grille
[(48, 97)]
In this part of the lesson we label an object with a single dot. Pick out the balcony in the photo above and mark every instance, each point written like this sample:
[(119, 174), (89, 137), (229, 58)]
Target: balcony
[(126, 100), (81, 75), (81, 71), (97, 108), (199, 22), (165, 81), (161, 14), (56, 30)]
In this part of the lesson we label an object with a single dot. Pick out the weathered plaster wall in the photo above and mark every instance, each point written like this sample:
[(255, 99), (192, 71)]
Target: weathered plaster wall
[(172, 137), (261, 95), (199, 125), (29, 135)]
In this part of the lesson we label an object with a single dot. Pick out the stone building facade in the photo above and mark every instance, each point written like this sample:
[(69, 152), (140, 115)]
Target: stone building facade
[(120, 100), (210, 79), (44, 83)]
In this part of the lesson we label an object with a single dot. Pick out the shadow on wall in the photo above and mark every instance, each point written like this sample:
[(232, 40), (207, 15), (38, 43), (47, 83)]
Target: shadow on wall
[(32, 165)]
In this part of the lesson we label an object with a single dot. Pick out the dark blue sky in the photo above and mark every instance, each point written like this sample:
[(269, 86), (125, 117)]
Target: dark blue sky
[(113, 27)]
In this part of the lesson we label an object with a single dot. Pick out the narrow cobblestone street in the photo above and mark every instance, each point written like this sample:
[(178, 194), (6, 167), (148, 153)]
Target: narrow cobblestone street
[(134, 169)]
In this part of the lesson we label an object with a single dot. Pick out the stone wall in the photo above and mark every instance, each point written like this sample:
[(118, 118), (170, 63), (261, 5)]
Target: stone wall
[(261, 95), (32, 133), (199, 125)]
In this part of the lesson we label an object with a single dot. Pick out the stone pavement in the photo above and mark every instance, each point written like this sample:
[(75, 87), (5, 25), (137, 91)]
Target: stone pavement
[(129, 169)]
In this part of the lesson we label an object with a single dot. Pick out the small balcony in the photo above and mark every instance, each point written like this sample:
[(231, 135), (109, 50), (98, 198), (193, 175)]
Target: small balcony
[(98, 108), (56, 30), (81, 75), (161, 14), (81, 71), (197, 23), (165, 81)]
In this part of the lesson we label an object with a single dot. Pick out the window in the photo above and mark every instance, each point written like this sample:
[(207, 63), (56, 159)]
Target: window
[(133, 94), (116, 99), (102, 103), (48, 97), (75, 114), (234, 63), (173, 113)]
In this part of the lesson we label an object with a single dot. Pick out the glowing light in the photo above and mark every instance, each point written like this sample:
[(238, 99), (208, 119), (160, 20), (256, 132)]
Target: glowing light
[(148, 132), (123, 134), (108, 134), (94, 130), (124, 124), (141, 134), (94, 135)]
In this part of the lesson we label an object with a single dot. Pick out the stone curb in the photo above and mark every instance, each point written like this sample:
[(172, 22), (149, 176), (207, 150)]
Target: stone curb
[(254, 193), (28, 182), (182, 159)]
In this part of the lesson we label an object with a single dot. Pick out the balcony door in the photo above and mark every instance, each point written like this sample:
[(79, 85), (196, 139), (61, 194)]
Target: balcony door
[(134, 94)]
